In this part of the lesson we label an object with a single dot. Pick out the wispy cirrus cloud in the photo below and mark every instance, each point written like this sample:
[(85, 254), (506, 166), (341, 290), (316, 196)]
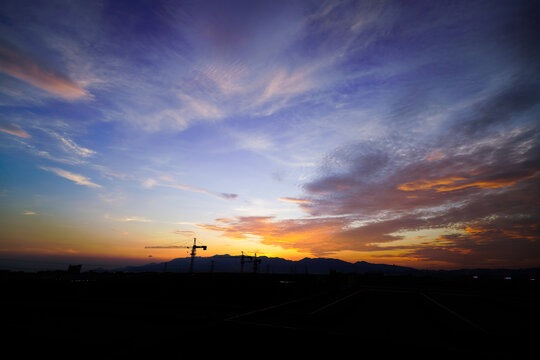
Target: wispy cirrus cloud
[(184, 233), (226, 196), (63, 150), (13, 129), (23, 67), (228, 72), (136, 219), (294, 200), (148, 183), (76, 178), (71, 146)]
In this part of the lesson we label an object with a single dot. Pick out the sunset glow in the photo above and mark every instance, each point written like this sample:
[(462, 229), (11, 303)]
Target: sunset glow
[(381, 131)]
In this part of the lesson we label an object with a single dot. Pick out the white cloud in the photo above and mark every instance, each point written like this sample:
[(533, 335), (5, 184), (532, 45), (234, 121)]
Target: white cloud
[(225, 196), (135, 219), (76, 178), (128, 219), (200, 108), (79, 150), (47, 155), (252, 141), (149, 183), (286, 83)]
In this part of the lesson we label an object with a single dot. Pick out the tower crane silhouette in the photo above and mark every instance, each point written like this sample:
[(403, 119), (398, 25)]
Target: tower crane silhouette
[(193, 248)]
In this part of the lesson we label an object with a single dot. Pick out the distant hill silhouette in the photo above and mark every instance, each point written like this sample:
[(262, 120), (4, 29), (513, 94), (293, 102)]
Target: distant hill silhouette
[(276, 265), (228, 263)]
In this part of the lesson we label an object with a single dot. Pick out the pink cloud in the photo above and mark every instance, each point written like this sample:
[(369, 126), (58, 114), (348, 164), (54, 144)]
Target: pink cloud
[(14, 129), (22, 67), (294, 200)]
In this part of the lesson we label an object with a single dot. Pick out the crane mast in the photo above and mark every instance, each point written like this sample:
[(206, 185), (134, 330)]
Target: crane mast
[(193, 250)]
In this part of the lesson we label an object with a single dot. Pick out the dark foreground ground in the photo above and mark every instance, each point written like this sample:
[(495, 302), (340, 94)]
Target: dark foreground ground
[(167, 315)]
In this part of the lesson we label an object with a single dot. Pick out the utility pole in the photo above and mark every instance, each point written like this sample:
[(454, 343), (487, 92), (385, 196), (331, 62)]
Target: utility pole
[(242, 262), (252, 259), (256, 263)]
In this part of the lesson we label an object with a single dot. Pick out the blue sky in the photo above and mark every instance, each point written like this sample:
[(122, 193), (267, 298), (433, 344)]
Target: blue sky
[(383, 131)]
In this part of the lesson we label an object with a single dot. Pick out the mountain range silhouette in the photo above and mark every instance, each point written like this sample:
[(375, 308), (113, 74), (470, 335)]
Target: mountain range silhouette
[(276, 265), (232, 263)]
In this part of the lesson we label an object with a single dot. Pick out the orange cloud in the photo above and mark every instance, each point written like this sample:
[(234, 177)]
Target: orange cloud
[(457, 183), (294, 200), (515, 231), (26, 69), (436, 155), (494, 184), (428, 184), (303, 235)]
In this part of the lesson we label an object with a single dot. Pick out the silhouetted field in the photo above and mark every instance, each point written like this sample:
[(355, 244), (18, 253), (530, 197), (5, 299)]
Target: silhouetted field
[(112, 315)]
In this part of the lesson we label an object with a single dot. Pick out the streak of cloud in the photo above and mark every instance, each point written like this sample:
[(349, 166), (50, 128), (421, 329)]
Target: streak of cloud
[(148, 183), (136, 219), (184, 233), (13, 129), (76, 178), (23, 67), (294, 200), (70, 145)]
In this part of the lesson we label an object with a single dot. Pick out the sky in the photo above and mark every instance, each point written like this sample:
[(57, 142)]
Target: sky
[(391, 132)]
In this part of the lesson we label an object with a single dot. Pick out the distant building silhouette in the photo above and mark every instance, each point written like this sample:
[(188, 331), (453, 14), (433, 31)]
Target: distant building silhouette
[(74, 269)]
